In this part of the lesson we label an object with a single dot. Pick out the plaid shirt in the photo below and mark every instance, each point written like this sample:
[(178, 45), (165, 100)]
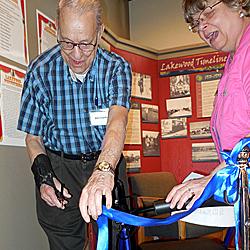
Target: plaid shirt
[(56, 107)]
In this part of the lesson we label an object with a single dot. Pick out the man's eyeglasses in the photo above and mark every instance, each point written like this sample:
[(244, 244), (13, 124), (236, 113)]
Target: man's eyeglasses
[(85, 47), (207, 13)]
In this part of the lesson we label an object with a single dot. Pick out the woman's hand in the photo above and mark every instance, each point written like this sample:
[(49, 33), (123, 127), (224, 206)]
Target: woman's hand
[(179, 195)]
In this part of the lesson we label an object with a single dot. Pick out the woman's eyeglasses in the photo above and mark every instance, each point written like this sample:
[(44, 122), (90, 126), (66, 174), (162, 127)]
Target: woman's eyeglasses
[(206, 14)]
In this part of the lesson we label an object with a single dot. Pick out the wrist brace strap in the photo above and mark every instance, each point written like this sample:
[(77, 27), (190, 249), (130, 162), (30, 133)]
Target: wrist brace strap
[(42, 171)]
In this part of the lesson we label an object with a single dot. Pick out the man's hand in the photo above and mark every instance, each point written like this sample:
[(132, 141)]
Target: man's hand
[(49, 196), (99, 184)]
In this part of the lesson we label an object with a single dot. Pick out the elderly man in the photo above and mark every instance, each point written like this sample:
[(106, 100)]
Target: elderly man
[(74, 110)]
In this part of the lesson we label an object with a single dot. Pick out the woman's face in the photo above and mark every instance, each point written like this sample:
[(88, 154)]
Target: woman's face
[(220, 26)]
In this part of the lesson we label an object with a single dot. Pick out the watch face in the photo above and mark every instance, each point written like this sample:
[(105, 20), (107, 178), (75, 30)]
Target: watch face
[(104, 166)]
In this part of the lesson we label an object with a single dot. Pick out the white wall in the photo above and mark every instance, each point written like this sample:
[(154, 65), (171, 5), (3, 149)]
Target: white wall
[(116, 16), (19, 229), (159, 24)]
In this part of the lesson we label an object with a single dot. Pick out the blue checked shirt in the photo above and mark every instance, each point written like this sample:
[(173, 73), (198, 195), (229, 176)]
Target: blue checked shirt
[(56, 107)]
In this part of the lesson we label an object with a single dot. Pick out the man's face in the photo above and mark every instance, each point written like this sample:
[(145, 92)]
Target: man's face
[(75, 28)]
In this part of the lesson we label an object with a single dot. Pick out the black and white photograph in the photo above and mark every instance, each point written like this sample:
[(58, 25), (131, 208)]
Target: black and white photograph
[(141, 86), (200, 130), (174, 128), (149, 113), (179, 107), (151, 143), (179, 86), (204, 152), (133, 160)]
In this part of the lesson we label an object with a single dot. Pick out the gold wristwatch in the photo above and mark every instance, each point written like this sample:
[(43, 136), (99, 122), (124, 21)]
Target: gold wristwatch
[(105, 166)]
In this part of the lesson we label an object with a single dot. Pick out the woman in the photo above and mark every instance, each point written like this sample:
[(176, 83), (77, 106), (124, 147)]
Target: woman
[(224, 26)]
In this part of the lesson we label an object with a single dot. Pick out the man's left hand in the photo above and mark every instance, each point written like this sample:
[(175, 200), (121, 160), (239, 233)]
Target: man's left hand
[(99, 184)]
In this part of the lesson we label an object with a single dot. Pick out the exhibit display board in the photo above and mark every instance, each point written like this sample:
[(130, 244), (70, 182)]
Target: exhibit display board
[(188, 144), (145, 139), (13, 35), (183, 91)]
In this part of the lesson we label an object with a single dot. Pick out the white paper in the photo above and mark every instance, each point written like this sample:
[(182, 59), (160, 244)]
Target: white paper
[(192, 176), (46, 32), (99, 117), (13, 35), (221, 216), (208, 90), (133, 132), (11, 88)]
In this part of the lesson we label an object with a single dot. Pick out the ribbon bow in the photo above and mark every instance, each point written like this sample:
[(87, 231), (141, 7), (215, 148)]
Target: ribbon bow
[(225, 180)]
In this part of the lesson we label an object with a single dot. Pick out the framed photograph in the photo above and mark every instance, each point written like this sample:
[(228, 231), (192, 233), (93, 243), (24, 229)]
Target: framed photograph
[(206, 88), (150, 143), (141, 86), (179, 86), (133, 160), (174, 128), (204, 152), (179, 107), (200, 130), (149, 113)]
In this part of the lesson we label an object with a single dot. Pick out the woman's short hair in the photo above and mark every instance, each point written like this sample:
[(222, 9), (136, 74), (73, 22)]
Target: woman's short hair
[(82, 6), (192, 7)]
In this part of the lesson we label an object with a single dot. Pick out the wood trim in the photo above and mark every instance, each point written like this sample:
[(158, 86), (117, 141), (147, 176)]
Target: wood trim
[(182, 230)]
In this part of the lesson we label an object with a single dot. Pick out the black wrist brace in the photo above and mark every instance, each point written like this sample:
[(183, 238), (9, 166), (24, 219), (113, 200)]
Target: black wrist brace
[(42, 171)]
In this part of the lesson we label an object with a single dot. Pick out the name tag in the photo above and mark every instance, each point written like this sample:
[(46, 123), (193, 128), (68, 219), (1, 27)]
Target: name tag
[(99, 117)]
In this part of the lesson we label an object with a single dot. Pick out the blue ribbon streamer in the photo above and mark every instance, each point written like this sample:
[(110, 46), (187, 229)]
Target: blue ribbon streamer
[(226, 179)]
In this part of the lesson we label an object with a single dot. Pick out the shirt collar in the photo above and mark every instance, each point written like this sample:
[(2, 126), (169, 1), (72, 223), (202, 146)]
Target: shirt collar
[(75, 77)]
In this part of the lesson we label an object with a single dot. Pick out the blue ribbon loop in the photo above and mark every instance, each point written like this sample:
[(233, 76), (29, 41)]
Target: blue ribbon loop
[(225, 180)]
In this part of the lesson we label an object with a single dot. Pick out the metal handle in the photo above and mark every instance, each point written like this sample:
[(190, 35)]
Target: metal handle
[(244, 197)]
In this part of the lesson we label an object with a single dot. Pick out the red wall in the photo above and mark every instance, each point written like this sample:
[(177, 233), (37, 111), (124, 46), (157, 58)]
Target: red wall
[(175, 154), (141, 64)]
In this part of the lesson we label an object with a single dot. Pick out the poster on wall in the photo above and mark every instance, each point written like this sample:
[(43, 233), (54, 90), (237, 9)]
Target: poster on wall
[(174, 128), (13, 35), (179, 86), (204, 152), (149, 113), (151, 143), (200, 130), (206, 87), (133, 135), (141, 86), (192, 64), (179, 107), (46, 32), (133, 160), (11, 80)]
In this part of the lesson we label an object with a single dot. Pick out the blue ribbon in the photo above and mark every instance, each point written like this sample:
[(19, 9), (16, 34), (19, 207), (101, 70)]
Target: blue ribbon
[(224, 180)]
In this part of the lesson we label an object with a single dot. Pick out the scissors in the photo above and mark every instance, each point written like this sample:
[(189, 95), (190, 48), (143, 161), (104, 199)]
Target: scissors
[(59, 194)]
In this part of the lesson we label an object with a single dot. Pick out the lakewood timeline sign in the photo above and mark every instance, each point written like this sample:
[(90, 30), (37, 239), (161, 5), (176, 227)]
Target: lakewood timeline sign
[(192, 64)]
